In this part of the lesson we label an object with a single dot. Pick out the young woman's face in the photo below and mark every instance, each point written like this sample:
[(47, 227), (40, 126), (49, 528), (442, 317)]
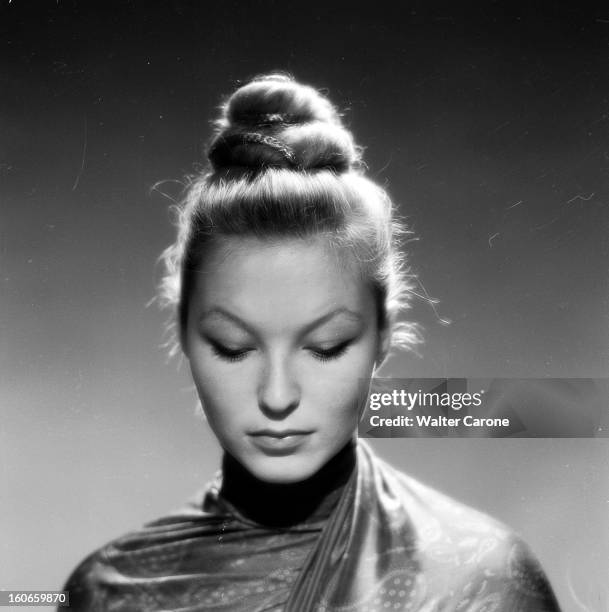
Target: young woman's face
[(279, 340)]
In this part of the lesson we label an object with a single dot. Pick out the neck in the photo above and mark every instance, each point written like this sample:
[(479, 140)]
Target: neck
[(287, 504)]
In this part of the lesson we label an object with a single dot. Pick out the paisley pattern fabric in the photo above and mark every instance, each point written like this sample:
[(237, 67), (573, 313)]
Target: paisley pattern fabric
[(381, 542)]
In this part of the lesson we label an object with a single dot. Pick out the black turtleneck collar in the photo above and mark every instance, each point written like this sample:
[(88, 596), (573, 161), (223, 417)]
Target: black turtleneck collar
[(281, 505)]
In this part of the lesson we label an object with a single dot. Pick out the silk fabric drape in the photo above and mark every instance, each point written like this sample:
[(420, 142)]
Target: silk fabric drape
[(389, 543)]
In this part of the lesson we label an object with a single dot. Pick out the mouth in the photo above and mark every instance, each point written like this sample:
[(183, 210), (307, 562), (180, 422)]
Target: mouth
[(280, 433), (275, 442)]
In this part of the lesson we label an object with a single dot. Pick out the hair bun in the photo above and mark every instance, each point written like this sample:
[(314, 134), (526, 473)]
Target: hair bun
[(275, 121)]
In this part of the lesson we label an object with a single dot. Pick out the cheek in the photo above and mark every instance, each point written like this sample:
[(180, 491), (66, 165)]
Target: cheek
[(220, 393), (343, 388)]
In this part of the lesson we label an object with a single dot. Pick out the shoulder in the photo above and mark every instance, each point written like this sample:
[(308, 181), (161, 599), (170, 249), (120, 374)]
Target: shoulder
[(159, 547), (465, 551), (436, 516), (83, 584)]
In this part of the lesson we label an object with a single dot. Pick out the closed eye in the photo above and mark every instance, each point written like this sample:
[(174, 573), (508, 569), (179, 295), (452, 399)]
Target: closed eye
[(233, 355), (331, 353), (226, 353)]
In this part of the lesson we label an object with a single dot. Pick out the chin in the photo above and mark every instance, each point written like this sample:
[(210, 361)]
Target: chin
[(283, 470)]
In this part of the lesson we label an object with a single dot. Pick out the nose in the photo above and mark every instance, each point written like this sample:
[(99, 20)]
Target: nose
[(279, 392)]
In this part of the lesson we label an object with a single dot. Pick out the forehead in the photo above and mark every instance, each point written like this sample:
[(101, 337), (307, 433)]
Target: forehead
[(293, 278)]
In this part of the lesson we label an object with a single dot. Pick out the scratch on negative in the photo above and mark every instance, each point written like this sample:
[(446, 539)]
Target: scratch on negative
[(491, 238), (573, 594), (581, 197), (538, 227), (386, 165), (514, 205), (499, 127), (82, 162)]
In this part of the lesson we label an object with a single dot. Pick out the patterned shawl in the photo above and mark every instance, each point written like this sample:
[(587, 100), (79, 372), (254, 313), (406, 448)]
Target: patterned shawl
[(382, 541)]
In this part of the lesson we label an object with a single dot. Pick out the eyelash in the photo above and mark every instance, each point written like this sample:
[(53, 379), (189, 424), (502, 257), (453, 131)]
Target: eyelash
[(327, 355), (333, 353), (227, 355)]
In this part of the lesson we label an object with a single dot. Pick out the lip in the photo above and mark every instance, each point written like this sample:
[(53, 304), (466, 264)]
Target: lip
[(280, 433), (283, 442)]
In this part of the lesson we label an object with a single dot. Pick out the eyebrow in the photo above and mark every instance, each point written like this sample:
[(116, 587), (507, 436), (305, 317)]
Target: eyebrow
[(343, 311)]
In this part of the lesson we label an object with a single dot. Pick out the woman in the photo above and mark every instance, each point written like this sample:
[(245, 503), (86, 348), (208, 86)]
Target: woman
[(286, 281)]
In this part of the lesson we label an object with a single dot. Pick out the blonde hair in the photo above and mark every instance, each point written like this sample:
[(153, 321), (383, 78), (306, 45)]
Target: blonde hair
[(282, 165)]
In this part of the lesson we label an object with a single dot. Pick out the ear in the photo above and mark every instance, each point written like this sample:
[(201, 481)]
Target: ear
[(384, 343), (183, 343)]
